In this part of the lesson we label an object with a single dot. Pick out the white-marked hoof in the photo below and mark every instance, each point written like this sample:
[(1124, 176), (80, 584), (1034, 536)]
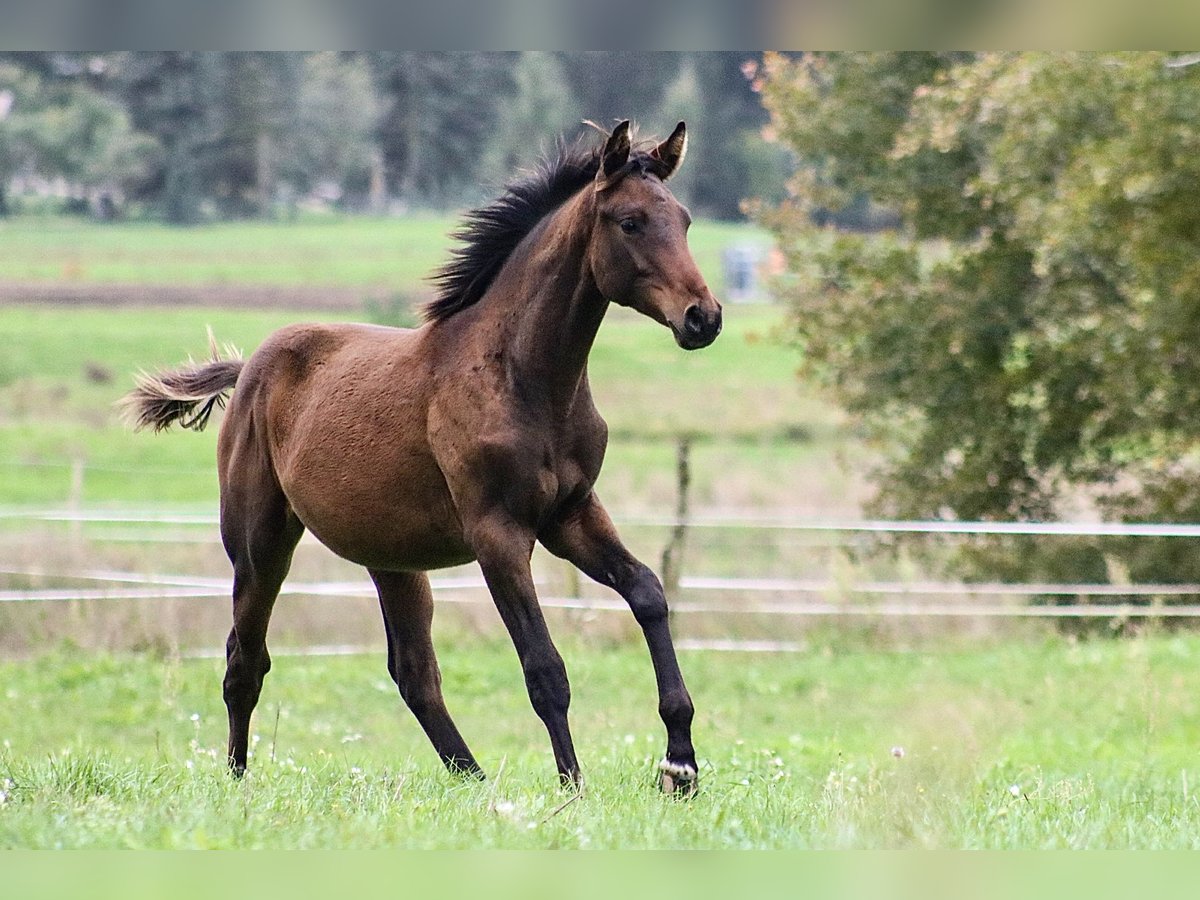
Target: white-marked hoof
[(677, 779)]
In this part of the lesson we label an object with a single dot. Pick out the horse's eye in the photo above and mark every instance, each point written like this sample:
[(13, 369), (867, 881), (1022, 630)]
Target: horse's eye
[(629, 226)]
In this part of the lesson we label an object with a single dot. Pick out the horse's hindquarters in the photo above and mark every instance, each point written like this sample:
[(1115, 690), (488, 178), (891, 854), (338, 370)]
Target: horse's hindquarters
[(340, 412)]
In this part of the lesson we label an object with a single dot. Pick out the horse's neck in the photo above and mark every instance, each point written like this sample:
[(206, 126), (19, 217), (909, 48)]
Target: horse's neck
[(558, 312)]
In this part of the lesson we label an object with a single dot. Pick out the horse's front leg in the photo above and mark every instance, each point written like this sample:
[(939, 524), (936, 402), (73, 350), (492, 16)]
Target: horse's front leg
[(503, 549), (587, 538)]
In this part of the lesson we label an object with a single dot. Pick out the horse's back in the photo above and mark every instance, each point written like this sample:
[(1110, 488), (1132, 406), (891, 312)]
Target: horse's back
[(297, 351)]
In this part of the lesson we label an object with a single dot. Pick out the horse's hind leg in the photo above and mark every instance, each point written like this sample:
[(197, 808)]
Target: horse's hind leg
[(407, 605), (260, 532)]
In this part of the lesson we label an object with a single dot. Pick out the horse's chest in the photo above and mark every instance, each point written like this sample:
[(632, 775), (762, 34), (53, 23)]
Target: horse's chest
[(556, 477), (545, 482)]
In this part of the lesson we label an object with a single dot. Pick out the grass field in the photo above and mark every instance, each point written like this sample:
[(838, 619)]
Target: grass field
[(1013, 745), (396, 253), (896, 734), (62, 369)]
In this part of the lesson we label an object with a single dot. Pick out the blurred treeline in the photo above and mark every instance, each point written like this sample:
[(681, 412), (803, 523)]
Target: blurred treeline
[(192, 136)]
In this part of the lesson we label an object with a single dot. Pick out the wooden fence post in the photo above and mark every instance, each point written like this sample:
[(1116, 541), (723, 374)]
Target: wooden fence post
[(75, 499), (672, 558)]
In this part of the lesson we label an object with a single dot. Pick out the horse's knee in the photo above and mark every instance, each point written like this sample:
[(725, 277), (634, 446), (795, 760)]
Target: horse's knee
[(646, 599), (549, 689), (235, 688), (244, 676), (420, 688)]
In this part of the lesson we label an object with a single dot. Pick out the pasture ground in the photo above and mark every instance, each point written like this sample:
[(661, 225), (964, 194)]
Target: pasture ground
[(348, 255), (1043, 744), (1013, 741), (140, 295)]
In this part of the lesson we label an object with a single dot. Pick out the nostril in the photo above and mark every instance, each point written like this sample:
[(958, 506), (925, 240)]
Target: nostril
[(693, 320)]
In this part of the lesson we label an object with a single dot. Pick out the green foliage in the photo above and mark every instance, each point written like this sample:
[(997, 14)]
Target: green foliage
[(540, 110), (64, 129), (173, 95), (729, 159), (338, 110), (1025, 337), (439, 109)]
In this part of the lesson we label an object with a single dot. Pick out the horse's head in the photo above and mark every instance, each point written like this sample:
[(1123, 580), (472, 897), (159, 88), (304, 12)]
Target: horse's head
[(639, 254)]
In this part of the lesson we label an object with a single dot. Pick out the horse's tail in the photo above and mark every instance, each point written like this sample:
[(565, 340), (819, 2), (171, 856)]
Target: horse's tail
[(185, 395)]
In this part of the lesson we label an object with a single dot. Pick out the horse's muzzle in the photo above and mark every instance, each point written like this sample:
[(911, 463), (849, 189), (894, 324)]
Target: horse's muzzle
[(700, 327)]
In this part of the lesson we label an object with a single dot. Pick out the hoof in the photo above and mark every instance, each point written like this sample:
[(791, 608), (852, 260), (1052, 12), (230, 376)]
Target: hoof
[(572, 781), (467, 770), (677, 779)]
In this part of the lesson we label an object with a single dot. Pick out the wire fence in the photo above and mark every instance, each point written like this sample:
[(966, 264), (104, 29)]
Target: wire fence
[(726, 595), (732, 519)]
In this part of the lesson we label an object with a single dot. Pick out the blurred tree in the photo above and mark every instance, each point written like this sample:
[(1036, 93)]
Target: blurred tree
[(237, 133), (57, 125), (1026, 338), (257, 115), (541, 110), (224, 120), (609, 85), (716, 93), (338, 113), (18, 87), (440, 110), (683, 100), (175, 96)]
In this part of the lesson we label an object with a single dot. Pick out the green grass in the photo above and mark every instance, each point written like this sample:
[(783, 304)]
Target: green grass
[(1098, 739), (346, 252), (354, 251), (1010, 745), (62, 369)]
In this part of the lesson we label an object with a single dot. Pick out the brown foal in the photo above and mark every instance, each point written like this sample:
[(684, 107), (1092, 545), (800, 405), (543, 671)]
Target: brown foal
[(469, 438)]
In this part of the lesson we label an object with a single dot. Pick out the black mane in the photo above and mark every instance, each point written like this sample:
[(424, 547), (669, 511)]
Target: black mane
[(490, 233)]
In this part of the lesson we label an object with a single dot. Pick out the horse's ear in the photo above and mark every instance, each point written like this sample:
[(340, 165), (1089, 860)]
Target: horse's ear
[(614, 155), (670, 153)]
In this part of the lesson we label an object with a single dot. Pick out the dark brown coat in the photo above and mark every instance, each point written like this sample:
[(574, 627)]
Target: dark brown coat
[(469, 438)]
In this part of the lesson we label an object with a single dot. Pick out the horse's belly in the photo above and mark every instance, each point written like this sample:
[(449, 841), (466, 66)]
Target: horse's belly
[(379, 518), (398, 540), (390, 549)]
